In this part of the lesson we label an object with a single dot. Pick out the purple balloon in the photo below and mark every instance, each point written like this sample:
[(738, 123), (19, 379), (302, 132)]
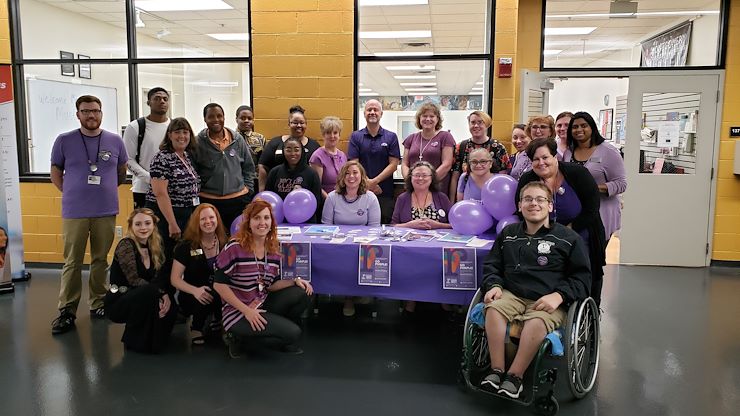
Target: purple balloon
[(277, 204), (503, 222), (498, 196), (299, 206), (235, 224), (468, 217)]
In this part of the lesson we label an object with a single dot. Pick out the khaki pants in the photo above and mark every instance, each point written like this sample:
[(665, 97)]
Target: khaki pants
[(75, 233)]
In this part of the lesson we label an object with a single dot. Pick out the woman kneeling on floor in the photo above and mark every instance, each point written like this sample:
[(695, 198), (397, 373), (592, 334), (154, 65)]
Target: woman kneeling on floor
[(193, 270), (137, 295), (258, 304)]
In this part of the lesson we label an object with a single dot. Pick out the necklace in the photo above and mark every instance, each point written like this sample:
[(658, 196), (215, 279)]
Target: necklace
[(422, 149), (352, 200), (261, 272), (213, 245), (421, 206)]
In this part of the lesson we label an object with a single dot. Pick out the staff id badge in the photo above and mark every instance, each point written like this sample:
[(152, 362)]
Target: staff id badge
[(93, 180), (196, 201)]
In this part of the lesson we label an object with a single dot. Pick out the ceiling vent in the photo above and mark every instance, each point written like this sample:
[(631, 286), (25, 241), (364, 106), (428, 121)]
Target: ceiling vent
[(416, 44), (621, 9)]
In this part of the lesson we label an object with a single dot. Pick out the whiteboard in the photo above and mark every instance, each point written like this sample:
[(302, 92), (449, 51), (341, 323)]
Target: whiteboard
[(51, 111)]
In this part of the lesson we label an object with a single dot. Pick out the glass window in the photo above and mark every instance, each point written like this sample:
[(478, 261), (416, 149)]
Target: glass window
[(211, 28), (424, 27), (631, 34), (194, 85), (92, 28), (50, 104)]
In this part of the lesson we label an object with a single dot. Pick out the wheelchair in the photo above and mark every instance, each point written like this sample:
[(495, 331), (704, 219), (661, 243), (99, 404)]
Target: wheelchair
[(577, 340)]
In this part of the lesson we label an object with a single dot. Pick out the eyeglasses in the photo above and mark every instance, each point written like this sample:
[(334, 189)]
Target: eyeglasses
[(540, 200), (480, 162), (420, 175), (540, 127), (93, 112)]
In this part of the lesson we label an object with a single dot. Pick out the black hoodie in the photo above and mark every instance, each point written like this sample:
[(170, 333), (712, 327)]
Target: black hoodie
[(282, 180)]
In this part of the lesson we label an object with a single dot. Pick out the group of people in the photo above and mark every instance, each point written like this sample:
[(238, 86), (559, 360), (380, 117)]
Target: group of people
[(188, 189)]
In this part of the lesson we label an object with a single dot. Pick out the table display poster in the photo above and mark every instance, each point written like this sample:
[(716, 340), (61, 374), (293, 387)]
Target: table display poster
[(322, 230), (459, 268), (295, 261), (374, 265)]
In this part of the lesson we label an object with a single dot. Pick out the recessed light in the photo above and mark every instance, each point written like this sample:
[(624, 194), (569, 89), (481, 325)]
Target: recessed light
[(411, 68), (396, 34), (181, 5), (368, 3), (365, 90), (479, 83), (638, 14), (477, 88), (403, 53), (368, 94), (475, 93), (229, 36), (421, 89), (562, 31), (425, 94), (550, 52), (417, 84), (415, 76)]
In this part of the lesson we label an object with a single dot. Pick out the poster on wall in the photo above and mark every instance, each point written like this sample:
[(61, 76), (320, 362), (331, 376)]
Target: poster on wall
[(606, 119), (11, 236), (670, 48)]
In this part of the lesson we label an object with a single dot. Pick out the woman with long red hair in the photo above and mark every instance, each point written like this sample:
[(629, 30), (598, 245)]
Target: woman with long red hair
[(257, 303)]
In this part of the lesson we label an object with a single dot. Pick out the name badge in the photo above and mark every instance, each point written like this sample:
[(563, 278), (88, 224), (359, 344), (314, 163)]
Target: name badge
[(196, 201), (197, 252), (279, 151), (93, 180), (595, 159)]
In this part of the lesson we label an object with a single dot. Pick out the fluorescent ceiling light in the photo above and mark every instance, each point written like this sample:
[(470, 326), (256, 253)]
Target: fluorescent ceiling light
[(638, 14), (396, 34), (416, 90), (557, 31), (415, 76), (403, 53), (475, 93), (411, 68), (425, 94), (368, 3), (365, 90), (368, 94), (229, 36), (181, 5), (417, 84), (359, 84), (479, 83), (548, 52), (216, 84), (477, 88)]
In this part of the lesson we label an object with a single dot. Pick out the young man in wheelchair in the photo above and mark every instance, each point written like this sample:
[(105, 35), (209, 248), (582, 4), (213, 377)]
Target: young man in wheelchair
[(534, 271)]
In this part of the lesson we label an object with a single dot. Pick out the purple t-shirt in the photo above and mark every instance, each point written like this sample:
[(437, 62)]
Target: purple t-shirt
[(467, 186), (373, 153), (429, 151), (331, 165), (80, 199)]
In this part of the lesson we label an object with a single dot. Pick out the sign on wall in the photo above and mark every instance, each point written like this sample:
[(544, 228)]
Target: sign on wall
[(668, 49)]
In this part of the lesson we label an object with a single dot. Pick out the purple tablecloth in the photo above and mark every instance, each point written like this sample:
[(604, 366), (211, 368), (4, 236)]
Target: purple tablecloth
[(416, 267)]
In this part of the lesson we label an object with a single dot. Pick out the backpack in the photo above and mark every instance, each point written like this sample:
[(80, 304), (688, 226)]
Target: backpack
[(140, 138)]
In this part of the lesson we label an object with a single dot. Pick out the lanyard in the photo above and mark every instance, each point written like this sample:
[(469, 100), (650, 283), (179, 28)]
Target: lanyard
[(422, 149), (190, 171), (93, 166)]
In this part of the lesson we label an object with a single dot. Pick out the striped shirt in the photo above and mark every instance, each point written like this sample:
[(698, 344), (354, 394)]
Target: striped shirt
[(243, 273)]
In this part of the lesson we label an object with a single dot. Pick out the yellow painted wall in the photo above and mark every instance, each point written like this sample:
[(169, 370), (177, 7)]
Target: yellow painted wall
[(302, 54), (726, 244), (4, 34)]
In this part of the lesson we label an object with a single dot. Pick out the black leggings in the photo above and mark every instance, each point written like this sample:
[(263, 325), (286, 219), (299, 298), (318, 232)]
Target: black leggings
[(284, 309), (190, 306)]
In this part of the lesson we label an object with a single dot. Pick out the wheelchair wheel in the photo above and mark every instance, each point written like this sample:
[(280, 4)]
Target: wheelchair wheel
[(476, 360), (582, 347)]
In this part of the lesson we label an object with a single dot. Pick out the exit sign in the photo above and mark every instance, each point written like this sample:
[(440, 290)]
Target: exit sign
[(734, 131)]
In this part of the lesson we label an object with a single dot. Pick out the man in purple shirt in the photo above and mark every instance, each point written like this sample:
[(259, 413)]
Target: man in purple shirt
[(377, 151), (87, 165)]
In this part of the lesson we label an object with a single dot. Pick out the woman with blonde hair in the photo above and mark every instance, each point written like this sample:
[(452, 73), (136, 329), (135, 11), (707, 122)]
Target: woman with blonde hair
[(193, 270), (431, 144), (137, 296), (328, 159), (257, 303)]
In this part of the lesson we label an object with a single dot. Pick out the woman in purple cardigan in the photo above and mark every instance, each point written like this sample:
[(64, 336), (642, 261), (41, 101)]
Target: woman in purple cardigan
[(422, 206), (588, 148)]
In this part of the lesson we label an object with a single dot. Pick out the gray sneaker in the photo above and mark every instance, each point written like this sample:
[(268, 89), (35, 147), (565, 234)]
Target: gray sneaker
[(493, 380), (512, 386)]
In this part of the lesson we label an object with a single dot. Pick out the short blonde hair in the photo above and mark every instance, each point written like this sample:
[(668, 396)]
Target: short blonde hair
[(331, 123), (486, 118), (547, 119), (429, 106)]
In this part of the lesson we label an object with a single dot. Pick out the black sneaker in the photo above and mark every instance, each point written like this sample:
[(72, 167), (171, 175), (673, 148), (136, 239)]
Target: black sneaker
[(233, 345), (291, 349), (65, 322), (493, 381), (511, 386), (98, 313)]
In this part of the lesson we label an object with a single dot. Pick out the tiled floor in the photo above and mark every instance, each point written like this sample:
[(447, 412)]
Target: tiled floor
[(670, 346)]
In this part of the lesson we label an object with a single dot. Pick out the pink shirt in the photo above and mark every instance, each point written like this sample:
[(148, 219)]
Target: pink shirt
[(331, 165)]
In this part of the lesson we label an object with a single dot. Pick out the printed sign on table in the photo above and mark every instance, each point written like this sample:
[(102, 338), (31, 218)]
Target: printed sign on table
[(375, 265), (459, 268), (295, 261)]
